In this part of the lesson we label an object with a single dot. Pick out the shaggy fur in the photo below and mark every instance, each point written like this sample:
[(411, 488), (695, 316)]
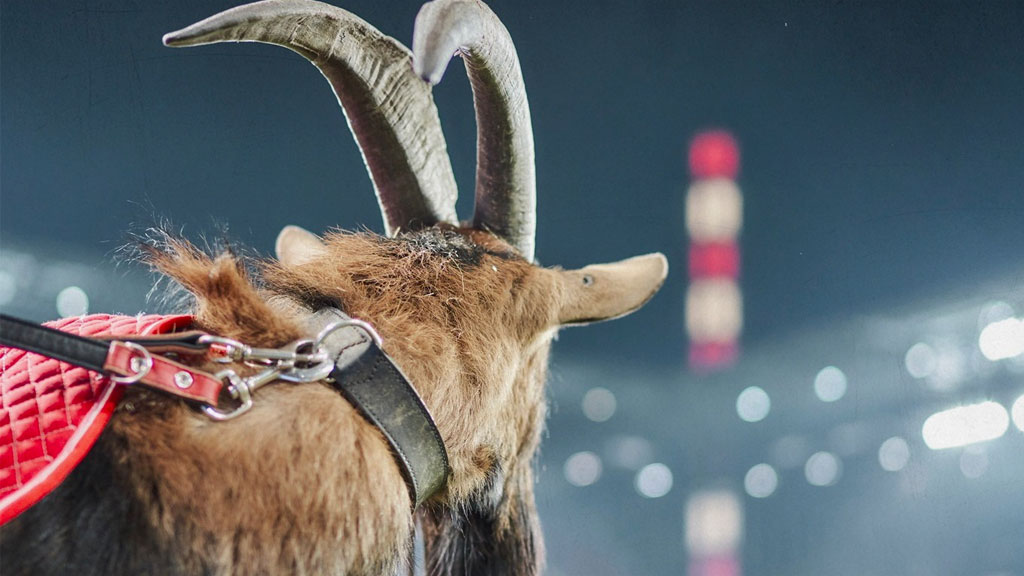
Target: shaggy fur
[(302, 484), (471, 323)]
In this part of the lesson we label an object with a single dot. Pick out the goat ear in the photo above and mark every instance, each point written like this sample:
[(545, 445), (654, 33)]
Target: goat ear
[(296, 246), (605, 291)]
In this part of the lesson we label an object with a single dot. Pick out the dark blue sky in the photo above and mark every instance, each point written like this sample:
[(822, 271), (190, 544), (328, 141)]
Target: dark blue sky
[(883, 159)]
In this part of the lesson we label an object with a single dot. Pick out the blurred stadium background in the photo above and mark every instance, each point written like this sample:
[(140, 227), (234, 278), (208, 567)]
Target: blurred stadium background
[(871, 420)]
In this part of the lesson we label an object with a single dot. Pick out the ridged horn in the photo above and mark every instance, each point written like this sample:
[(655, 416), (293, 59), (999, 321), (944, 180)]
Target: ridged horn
[(390, 111), (506, 187)]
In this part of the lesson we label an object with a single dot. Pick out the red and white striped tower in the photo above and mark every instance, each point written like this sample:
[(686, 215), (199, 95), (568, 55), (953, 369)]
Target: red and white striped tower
[(714, 216)]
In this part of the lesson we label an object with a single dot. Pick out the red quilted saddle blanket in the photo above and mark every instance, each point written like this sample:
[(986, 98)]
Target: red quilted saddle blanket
[(52, 412)]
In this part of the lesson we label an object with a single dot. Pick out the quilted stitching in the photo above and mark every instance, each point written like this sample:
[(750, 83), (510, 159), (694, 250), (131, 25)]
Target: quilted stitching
[(44, 400)]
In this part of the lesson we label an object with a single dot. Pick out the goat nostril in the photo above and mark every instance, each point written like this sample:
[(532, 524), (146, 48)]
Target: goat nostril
[(588, 279)]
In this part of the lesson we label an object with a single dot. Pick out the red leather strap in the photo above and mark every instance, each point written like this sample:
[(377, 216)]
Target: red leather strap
[(51, 412), (165, 375)]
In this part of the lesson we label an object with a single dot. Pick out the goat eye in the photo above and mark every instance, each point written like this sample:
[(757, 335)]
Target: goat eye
[(588, 279)]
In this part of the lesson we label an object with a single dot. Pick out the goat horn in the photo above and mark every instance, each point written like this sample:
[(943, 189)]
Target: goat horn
[(391, 112), (506, 187)]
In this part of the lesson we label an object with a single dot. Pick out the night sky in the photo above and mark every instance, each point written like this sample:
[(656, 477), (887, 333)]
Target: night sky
[(883, 157)]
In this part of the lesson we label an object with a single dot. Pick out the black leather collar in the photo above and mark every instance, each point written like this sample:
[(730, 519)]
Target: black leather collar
[(375, 386)]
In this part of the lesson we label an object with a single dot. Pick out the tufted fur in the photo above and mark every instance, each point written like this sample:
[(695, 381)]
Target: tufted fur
[(301, 484)]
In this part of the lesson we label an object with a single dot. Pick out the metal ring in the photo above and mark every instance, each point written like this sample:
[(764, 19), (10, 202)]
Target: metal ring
[(139, 374), (335, 326)]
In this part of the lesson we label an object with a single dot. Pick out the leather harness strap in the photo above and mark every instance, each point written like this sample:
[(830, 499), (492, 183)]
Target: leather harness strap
[(125, 360), (84, 352), (165, 375), (361, 372), (375, 386)]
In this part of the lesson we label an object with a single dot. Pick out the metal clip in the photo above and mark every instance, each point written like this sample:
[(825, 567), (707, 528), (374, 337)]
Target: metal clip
[(291, 354), (318, 367), (302, 361), (233, 350), (239, 390), (256, 382), (226, 350)]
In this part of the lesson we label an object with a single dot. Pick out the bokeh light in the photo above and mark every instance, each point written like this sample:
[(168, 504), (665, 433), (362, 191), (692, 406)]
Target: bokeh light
[(753, 404), (714, 522), (1017, 412), (582, 468), (654, 480), (920, 360), (965, 425), (599, 404), (761, 481), (1002, 339), (630, 452), (973, 462), (951, 367), (823, 469), (894, 454), (830, 384), (714, 154), (714, 210), (72, 301), (994, 311), (714, 310)]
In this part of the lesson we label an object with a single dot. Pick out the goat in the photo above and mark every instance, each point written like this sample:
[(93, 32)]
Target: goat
[(302, 484)]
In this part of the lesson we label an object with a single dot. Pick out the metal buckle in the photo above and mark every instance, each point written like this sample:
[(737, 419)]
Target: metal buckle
[(141, 365)]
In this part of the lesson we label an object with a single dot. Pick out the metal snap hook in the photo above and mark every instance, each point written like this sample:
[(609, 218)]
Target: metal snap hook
[(239, 390), (321, 369)]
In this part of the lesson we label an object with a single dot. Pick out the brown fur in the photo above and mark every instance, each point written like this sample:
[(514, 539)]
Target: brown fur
[(467, 321), (302, 484)]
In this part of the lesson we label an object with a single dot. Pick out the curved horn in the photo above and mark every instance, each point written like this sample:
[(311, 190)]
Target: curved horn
[(390, 111), (506, 187)]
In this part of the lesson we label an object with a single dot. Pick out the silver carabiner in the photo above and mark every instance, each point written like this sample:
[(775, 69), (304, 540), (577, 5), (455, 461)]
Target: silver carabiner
[(257, 381), (287, 364), (239, 390), (323, 367)]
